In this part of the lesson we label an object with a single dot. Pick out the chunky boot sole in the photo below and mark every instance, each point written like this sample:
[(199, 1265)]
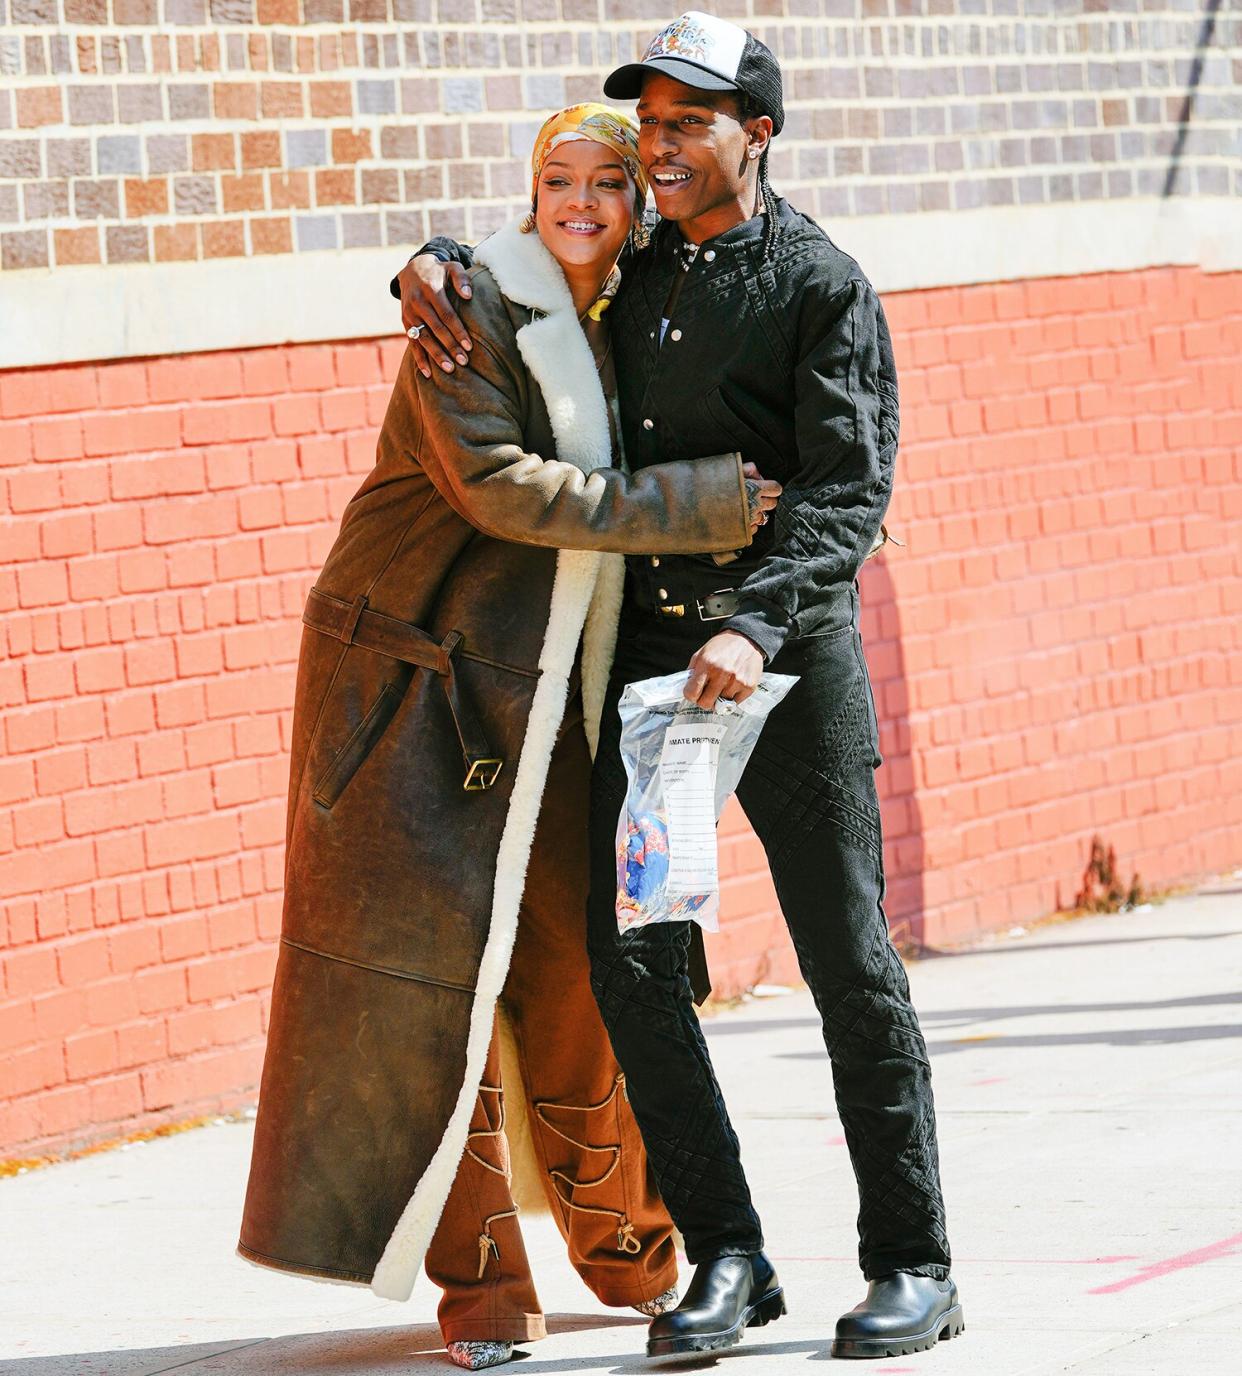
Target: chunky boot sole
[(767, 1310), (947, 1326)]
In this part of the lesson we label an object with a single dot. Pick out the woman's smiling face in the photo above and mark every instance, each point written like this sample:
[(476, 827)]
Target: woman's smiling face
[(585, 204)]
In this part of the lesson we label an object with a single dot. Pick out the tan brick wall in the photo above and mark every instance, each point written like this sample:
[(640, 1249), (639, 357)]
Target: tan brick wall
[(163, 130)]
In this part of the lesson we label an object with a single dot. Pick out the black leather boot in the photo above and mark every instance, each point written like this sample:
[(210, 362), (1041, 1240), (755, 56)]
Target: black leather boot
[(901, 1314), (725, 1296)]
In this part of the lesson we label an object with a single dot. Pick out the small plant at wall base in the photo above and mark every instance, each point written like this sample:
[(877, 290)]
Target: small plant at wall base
[(1102, 890)]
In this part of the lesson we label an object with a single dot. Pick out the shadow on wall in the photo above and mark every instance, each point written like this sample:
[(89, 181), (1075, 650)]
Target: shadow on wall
[(753, 945), (1186, 114), (901, 813)]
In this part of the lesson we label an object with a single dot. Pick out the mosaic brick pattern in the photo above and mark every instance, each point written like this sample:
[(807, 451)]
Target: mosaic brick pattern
[(162, 130)]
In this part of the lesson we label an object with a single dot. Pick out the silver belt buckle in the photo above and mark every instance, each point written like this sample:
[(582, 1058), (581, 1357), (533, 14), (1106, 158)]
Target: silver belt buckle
[(720, 616)]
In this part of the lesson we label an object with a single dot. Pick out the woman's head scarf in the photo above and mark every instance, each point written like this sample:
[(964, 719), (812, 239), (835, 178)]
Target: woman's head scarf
[(599, 124)]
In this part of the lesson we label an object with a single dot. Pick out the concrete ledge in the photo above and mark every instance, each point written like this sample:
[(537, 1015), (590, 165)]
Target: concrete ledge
[(71, 315), (1015, 243)]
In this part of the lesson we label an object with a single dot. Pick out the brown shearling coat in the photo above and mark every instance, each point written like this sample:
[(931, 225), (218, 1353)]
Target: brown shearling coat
[(402, 886)]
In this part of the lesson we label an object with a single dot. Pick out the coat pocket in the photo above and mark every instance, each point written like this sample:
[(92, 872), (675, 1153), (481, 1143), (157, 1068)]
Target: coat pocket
[(351, 756)]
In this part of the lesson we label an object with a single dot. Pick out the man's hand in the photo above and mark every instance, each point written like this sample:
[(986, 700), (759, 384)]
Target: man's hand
[(728, 666), (761, 496), (425, 304)]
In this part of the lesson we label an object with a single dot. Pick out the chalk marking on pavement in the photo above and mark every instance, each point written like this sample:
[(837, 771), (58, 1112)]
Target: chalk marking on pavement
[(997, 1261), (1214, 1251)]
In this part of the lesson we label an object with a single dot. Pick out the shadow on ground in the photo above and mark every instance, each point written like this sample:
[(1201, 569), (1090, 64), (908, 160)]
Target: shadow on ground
[(1020, 948), (364, 1351), (1125, 1036), (371, 1351), (935, 1016)]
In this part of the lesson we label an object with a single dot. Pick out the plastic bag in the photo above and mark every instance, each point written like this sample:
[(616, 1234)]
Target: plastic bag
[(682, 764)]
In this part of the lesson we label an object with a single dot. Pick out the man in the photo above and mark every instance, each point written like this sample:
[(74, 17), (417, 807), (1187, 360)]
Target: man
[(744, 327)]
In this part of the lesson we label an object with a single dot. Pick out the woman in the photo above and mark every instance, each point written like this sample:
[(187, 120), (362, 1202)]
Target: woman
[(437, 820)]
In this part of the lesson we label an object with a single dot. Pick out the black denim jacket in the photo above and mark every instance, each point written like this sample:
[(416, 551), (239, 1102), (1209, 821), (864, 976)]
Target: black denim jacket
[(786, 359)]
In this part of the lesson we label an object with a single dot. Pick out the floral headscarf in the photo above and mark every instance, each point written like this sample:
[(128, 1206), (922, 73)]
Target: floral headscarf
[(600, 124)]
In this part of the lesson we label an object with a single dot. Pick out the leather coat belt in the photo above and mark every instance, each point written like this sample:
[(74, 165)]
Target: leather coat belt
[(352, 623)]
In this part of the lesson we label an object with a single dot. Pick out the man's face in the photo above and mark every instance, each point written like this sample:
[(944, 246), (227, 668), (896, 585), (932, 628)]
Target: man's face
[(692, 145)]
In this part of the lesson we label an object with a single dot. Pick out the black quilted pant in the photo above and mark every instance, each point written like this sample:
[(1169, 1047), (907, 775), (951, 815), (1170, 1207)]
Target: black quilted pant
[(809, 793)]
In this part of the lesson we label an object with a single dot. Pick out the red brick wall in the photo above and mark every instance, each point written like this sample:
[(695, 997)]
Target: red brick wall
[(1055, 653), (165, 520), (1058, 650)]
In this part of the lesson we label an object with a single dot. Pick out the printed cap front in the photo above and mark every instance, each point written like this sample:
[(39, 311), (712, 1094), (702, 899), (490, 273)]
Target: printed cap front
[(709, 54)]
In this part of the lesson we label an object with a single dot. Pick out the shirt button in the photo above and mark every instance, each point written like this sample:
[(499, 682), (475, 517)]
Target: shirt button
[(675, 335), (663, 594), (648, 424), (710, 256), (655, 563)]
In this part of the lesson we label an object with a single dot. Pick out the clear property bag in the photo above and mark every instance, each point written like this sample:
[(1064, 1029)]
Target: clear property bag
[(682, 764)]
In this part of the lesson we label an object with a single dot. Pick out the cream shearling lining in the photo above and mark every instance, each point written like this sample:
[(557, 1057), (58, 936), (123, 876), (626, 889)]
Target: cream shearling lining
[(586, 602)]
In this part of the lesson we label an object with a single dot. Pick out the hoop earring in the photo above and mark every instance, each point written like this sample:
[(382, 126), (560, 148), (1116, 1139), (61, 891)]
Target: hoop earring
[(526, 225)]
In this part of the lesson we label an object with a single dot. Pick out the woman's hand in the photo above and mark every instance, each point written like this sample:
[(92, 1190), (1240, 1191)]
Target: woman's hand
[(761, 495), (425, 307)]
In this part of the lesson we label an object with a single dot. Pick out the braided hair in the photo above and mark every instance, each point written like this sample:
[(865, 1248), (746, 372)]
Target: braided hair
[(749, 108)]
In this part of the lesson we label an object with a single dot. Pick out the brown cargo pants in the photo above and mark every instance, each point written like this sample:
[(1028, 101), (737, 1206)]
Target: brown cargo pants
[(589, 1152)]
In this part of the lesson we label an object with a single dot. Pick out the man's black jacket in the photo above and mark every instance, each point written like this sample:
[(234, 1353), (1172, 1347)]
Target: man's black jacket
[(784, 357)]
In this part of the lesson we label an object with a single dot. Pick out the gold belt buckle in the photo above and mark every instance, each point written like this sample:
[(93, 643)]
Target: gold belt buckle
[(678, 609), (479, 778)]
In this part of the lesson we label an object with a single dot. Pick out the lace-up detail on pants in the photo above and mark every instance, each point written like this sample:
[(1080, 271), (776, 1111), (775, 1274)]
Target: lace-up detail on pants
[(627, 1241), (488, 1246)]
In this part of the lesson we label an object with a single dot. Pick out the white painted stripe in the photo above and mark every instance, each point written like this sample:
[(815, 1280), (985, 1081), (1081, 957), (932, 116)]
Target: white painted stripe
[(1013, 243), (74, 314), (65, 315)]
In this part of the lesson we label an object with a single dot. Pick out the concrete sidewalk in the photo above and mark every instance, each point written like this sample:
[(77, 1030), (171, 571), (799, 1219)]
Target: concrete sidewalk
[(1088, 1078)]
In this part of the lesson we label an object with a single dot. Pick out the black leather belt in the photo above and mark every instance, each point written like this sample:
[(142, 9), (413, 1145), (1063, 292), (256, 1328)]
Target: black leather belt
[(716, 606), (353, 624), (675, 587)]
